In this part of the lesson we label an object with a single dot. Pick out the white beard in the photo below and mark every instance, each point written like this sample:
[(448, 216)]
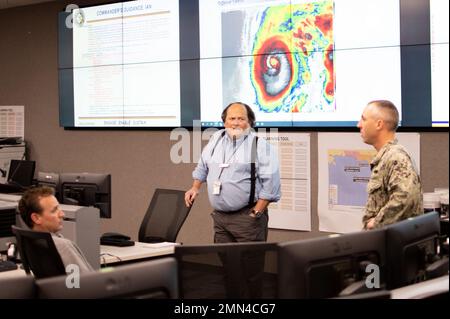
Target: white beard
[(237, 132)]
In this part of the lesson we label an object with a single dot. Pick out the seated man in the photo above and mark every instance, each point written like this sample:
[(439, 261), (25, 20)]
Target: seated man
[(41, 212)]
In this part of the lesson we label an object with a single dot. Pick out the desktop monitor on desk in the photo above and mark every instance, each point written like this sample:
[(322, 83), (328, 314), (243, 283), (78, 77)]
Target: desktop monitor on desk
[(331, 266), (21, 172), (20, 176), (154, 279), (87, 189), (229, 270), (7, 219), (49, 180), (17, 286), (412, 251)]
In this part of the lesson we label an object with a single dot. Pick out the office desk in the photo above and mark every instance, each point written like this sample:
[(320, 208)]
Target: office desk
[(424, 289), (113, 254)]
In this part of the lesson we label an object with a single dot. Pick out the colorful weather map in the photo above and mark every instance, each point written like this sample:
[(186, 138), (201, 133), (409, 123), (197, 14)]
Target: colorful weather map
[(290, 62)]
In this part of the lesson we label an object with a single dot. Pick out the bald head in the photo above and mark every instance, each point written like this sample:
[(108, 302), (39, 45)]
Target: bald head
[(248, 110)]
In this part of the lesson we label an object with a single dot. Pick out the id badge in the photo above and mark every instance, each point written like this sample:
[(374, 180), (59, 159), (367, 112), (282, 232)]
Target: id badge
[(224, 165), (216, 188)]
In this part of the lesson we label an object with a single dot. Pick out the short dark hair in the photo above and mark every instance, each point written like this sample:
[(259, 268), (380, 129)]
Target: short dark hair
[(250, 113), (29, 203), (389, 109)]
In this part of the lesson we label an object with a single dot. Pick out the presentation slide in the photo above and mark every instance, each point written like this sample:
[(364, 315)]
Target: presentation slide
[(439, 61), (298, 63), (125, 60)]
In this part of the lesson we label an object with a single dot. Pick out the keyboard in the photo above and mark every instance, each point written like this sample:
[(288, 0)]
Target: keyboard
[(6, 265)]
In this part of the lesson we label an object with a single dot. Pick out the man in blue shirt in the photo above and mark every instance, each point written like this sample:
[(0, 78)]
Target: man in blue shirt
[(240, 206), (243, 177)]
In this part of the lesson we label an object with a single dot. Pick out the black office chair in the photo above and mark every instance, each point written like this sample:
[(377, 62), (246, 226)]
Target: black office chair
[(38, 253), (165, 216)]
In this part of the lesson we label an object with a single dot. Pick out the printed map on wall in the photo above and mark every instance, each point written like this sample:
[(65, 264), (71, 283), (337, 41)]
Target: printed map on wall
[(348, 175), (344, 171)]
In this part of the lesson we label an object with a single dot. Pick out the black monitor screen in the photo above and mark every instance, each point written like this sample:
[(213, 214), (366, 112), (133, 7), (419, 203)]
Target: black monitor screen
[(87, 189), (232, 271), (21, 173), (50, 180), (327, 266), (154, 279), (411, 248), (7, 219)]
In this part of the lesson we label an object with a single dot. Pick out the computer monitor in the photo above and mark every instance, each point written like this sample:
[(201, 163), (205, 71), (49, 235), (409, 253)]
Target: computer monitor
[(331, 266), (152, 279), (7, 219), (412, 250), (230, 270), (21, 173), (50, 180), (17, 287), (87, 189)]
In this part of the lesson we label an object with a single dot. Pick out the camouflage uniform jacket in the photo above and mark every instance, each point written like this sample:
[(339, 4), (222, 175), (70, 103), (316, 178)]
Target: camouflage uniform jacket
[(394, 189)]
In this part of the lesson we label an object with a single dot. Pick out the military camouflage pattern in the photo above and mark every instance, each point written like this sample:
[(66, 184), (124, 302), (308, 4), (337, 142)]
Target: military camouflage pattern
[(394, 189)]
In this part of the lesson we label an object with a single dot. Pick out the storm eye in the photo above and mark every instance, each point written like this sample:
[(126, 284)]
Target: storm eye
[(273, 70), (273, 65), (276, 74)]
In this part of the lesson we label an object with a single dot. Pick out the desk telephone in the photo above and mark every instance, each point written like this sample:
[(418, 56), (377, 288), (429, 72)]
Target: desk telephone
[(116, 239)]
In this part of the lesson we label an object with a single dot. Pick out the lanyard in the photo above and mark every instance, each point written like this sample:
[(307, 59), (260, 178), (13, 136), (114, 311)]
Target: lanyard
[(228, 162)]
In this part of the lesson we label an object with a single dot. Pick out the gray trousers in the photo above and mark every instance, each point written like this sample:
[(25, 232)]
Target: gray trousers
[(241, 227)]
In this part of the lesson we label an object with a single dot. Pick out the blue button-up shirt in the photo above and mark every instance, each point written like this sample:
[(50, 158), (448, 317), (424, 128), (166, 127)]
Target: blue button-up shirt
[(235, 178)]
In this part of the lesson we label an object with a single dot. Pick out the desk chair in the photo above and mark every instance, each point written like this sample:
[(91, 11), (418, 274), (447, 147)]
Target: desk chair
[(38, 253), (165, 216)]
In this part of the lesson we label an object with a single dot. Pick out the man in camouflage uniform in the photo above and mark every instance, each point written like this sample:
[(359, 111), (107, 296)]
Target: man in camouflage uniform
[(394, 189)]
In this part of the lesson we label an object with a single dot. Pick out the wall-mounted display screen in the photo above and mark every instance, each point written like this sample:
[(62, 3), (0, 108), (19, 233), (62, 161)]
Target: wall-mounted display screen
[(439, 61), (299, 63)]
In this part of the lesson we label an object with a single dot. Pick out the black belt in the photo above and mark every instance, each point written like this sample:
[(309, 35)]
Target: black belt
[(237, 211)]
